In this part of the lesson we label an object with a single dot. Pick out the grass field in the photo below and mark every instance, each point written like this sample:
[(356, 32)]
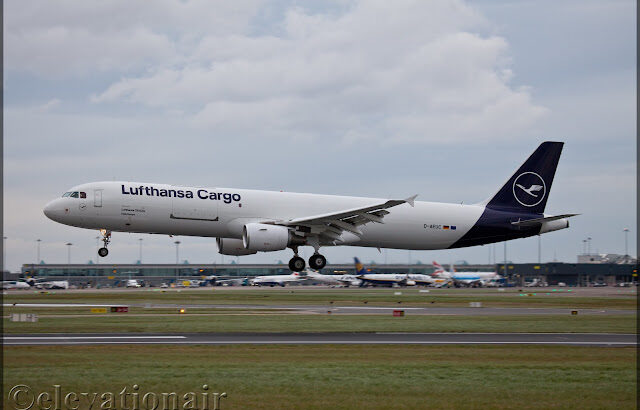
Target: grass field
[(325, 323), (211, 319), (531, 297), (342, 377)]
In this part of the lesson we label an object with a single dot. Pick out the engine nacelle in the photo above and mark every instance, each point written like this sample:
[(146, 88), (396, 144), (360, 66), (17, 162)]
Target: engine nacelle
[(233, 247), (265, 237), (551, 226)]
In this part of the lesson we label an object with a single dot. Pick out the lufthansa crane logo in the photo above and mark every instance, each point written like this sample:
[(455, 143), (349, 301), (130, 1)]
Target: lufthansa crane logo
[(529, 189)]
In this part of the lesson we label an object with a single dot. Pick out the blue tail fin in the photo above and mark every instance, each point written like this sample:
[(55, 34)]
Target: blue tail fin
[(528, 189), (359, 267)]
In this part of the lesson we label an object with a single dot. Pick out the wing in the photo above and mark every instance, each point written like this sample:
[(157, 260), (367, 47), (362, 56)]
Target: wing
[(535, 188), (329, 228)]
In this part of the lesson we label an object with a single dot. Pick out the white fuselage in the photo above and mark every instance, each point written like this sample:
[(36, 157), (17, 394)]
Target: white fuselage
[(222, 213), (385, 278), (334, 279), (468, 278), (273, 280), (12, 284)]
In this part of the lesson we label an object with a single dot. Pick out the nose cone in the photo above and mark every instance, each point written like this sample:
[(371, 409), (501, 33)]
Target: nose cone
[(54, 210)]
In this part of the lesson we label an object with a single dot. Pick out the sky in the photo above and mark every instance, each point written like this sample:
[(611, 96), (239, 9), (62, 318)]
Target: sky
[(444, 99)]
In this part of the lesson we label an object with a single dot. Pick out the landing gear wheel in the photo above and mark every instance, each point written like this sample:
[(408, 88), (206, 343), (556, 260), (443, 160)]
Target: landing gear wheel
[(296, 264), (106, 238), (317, 262)]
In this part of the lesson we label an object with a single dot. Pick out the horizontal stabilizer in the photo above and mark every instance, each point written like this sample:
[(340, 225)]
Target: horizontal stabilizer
[(540, 221)]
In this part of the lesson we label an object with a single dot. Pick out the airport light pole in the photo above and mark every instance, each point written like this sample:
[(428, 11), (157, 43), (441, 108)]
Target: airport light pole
[(505, 261), (584, 246), (38, 250), (626, 249), (589, 246), (177, 257), (97, 247), (140, 250), (69, 253), (539, 250), (4, 253)]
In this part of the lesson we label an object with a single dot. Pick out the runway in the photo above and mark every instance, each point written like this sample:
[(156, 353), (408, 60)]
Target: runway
[(575, 339)]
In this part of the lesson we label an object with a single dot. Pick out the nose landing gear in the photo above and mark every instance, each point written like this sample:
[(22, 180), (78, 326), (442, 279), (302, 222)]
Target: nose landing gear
[(106, 238)]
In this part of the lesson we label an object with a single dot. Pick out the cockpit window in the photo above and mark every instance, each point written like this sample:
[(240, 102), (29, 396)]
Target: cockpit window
[(66, 194), (74, 195), (83, 194)]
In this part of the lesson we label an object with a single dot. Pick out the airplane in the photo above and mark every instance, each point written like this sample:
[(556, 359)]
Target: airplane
[(465, 278), (273, 280), (133, 283), (53, 284), (421, 279), (245, 222), (16, 284), (344, 280), (382, 279)]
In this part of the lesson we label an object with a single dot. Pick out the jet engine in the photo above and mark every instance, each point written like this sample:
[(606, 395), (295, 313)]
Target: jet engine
[(265, 237), (233, 247)]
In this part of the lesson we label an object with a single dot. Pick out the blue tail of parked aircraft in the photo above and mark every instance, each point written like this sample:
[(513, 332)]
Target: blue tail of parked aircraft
[(528, 189), (360, 270)]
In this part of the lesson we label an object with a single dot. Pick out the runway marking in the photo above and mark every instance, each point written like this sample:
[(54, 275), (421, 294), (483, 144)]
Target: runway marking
[(57, 305), (380, 307), (88, 337), (509, 333), (303, 342)]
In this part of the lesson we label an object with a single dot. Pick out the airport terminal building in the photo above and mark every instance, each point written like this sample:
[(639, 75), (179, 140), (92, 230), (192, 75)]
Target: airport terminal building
[(572, 274)]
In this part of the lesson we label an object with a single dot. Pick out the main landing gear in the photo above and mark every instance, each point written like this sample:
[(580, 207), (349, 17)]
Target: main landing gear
[(296, 264), (316, 262), (106, 238)]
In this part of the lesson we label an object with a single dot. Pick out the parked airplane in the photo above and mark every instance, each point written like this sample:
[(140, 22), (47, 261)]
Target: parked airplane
[(53, 284), (133, 283), (273, 280), (421, 279), (382, 279), (35, 283), (16, 284), (344, 280), (248, 221), (465, 278)]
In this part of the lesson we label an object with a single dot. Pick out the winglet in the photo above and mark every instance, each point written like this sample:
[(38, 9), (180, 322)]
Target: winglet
[(411, 200)]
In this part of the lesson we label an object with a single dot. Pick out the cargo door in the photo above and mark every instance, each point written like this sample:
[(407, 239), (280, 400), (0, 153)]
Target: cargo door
[(195, 209)]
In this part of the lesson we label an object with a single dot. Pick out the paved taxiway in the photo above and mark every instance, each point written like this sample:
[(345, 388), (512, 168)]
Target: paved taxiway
[(359, 310), (578, 339)]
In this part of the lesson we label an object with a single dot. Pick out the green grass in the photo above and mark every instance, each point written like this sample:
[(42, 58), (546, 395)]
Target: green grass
[(326, 323), (342, 377), (410, 297)]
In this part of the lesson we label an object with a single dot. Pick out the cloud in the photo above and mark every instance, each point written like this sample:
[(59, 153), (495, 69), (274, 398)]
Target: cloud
[(401, 72), (366, 98), (68, 38)]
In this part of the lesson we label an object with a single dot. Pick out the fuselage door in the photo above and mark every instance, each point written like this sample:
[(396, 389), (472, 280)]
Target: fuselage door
[(198, 208), (97, 198)]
